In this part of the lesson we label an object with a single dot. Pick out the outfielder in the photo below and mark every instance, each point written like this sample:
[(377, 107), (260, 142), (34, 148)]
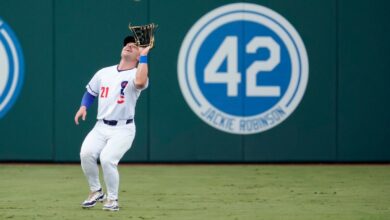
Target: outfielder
[(118, 88)]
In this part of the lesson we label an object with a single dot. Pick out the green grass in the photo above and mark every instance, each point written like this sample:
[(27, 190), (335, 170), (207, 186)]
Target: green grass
[(203, 192)]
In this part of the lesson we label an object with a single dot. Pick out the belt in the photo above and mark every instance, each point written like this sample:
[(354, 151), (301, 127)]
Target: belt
[(114, 122)]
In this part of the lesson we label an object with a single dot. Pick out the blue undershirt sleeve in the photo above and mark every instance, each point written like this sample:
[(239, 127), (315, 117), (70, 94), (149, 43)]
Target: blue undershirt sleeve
[(87, 99)]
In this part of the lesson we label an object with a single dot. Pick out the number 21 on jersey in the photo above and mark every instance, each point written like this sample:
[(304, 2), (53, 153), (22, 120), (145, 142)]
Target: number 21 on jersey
[(104, 92)]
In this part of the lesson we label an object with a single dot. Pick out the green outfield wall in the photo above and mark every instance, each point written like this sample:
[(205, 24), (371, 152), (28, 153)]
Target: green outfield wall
[(342, 117)]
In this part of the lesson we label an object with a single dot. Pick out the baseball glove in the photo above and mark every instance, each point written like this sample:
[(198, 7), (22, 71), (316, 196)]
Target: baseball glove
[(144, 35)]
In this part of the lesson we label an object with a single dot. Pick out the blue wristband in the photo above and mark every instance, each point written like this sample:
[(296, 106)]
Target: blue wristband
[(143, 59)]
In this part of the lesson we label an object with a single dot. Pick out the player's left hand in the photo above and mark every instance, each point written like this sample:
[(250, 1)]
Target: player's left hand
[(144, 50)]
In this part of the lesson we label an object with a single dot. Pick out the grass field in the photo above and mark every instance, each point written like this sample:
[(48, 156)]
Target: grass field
[(205, 192)]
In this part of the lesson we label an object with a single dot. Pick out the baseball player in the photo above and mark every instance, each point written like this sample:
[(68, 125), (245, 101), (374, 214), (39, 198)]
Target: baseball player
[(117, 88)]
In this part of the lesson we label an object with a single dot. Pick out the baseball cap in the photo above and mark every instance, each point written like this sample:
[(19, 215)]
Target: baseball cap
[(128, 39)]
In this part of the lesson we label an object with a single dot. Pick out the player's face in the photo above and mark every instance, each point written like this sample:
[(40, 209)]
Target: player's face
[(130, 51)]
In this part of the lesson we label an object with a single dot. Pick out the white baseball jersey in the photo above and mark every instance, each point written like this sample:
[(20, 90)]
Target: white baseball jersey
[(116, 91)]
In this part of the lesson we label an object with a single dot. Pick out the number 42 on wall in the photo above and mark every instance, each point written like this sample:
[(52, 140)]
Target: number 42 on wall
[(229, 50)]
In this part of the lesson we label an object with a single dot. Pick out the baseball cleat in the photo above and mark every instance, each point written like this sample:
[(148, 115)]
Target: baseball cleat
[(93, 198), (111, 205)]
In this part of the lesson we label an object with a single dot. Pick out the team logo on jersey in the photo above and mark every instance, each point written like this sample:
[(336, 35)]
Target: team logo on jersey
[(243, 68), (122, 93), (11, 68)]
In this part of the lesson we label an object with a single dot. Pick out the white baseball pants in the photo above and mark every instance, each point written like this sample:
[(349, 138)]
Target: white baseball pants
[(109, 143)]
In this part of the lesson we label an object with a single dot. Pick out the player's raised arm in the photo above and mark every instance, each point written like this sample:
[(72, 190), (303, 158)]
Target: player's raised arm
[(141, 77), (85, 103)]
